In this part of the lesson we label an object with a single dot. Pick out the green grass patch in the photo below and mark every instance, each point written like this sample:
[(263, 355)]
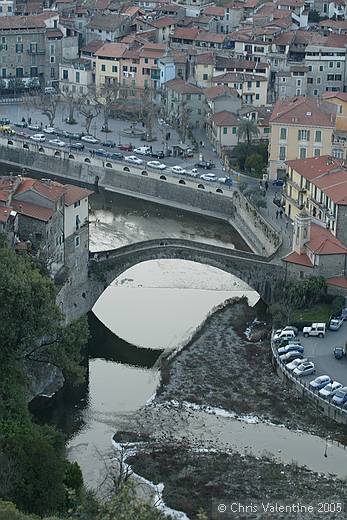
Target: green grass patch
[(320, 312)]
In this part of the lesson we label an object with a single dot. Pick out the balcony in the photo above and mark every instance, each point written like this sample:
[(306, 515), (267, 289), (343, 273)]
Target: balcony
[(294, 202), (36, 51), (296, 186)]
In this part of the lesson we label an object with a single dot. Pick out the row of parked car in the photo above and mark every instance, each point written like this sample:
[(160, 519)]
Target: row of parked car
[(291, 354)]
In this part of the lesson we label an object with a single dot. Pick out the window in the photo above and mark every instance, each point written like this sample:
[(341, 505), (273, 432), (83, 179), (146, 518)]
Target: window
[(298, 82), (321, 68), (298, 92), (225, 131), (51, 49), (257, 96), (303, 135), (205, 77), (34, 72), (114, 68), (339, 109), (77, 222), (103, 68), (188, 97), (331, 64), (77, 77), (146, 60), (302, 153), (249, 84), (52, 72), (19, 72), (318, 81), (77, 241), (52, 59), (3, 73), (310, 68), (283, 134), (257, 84), (315, 92), (65, 74), (338, 77), (19, 47), (33, 47), (282, 153), (318, 136), (310, 81), (330, 77), (316, 152), (234, 130), (338, 65)]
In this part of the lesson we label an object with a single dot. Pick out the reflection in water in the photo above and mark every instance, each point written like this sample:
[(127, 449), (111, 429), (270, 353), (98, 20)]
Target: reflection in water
[(159, 304)]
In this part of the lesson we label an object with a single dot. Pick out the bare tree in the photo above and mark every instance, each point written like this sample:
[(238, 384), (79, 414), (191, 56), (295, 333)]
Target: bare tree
[(48, 104), (184, 123), (148, 112), (108, 96), (89, 109), (71, 101)]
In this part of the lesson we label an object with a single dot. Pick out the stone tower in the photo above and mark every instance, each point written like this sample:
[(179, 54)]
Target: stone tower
[(302, 231)]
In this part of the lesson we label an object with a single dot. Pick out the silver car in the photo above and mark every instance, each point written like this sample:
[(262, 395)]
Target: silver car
[(304, 369), (330, 389), (295, 363)]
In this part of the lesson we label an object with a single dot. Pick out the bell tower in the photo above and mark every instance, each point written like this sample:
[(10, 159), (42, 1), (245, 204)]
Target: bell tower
[(302, 231)]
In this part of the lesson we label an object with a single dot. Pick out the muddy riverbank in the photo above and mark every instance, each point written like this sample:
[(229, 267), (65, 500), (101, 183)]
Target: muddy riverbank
[(221, 368)]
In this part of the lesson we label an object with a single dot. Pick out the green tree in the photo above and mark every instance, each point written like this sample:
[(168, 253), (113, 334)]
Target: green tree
[(314, 16), (255, 163), (248, 130)]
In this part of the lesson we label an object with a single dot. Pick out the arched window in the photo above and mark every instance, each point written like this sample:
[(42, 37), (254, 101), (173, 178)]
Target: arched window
[(126, 169), (71, 156), (108, 165), (201, 186), (87, 160), (144, 173), (162, 177), (219, 190), (181, 181)]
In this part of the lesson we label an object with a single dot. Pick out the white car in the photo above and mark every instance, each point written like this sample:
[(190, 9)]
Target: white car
[(208, 177), (38, 137), (90, 139), (193, 173), (133, 159), (142, 150), (335, 323), (316, 329), (57, 142), (295, 363), (156, 165), (33, 127), (178, 169), (281, 335), (49, 130), (304, 369), (330, 389)]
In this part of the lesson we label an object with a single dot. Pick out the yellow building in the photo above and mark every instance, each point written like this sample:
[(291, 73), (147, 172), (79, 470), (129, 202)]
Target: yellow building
[(340, 100), (300, 128), (108, 63)]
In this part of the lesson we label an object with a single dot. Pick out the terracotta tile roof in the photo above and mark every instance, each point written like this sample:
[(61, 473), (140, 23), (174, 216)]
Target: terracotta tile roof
[(220, 90), (338, 95), (323, 242), (179, 85), (153, 50), (314, 166), (225, 118), (223, 62), (296, 258), (54, 33), (163, 22), (185, 33), (5, 213), (237, 77), (292, 3), (92, 46), (337, 190), (206, 58), (132, 10), (338, 281), (206, 36), (109, 22), (214, 10), (111, 50), (32, 210), (51, 190), (284, 38), (22, 22), (335, 24), (74, 194), (304, 111)]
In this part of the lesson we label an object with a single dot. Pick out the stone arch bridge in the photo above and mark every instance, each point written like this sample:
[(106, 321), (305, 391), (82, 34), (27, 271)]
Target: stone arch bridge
[(257, 271)]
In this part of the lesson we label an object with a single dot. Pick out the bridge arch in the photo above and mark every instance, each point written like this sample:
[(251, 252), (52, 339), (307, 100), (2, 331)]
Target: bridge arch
[(257, 271)]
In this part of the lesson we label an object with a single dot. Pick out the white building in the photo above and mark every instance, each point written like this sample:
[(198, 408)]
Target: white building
[(77, 77), (7, 7)]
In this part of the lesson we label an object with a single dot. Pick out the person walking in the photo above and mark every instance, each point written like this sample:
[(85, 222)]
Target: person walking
[(281, 213), (276, 213), (266, 185)]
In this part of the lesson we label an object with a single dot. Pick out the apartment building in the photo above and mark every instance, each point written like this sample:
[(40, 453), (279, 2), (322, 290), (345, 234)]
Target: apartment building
[(227, 18), (301, 127), (180, 96), (76, 77), (7, 7), (251, 88), (186, 37), (292, 82), (318, 184), (224, 130), (108, 28), (326, 61)]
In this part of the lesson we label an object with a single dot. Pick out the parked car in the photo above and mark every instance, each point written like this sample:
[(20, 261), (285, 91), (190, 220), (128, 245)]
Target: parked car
[(133, 159), (278, 182), (339, 352), (226, 180), (316, 329), (33, 126), (282, 334), (206, 165), (90, 139), (157, 155), (295, 363), (20, 124), (108, 143), (57, 142), (193, 172), (209, 177), (6, 129), (304, 369), (4, 121), (70, 135), (290, 341), (335, 323), (178, 169), (290, 348), (156, 165), (38, 137), (340, 396), (25, 135), (320, 382), (143, 150), (50, 90), (116, 156), (330, 389), (49, 130), (294, 329), (286, 358), (126, 147), (101, 152), (77, 146)]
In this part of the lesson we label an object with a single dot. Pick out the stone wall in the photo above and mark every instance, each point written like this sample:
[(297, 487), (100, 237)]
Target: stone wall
[(187, 193)]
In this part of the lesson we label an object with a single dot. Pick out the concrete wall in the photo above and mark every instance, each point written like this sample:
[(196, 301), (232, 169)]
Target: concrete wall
[(190, 194)]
